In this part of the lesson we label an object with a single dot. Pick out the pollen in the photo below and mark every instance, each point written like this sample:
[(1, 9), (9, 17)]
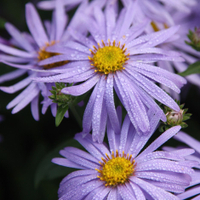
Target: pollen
[(43, 54), (117, 169), (108, 58)]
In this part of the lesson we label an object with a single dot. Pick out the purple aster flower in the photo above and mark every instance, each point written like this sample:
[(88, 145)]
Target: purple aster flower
[(116, 55), (28, 51), (194, 187), (122, 170)]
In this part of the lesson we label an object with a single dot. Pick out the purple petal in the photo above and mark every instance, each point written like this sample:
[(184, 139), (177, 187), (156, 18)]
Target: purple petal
[(23, 103), (61, 19), (79, 159), (178, 80), (110, 16), (12, 75), (17, 86), (125, 193), (113, 194), (35, 108), (153, 90), (189, 193), (137, 191), (23, 42), (185, 138), (81, 77), (164, 165), (128, 19), (83, 184), (113, 138), (155, 192), (82, 88), (81, 154), (165, 177), (157, 78), (89, 146), (132, 103), (110, 105), (16, 52), (99, 193), (87, 122), (103, 122), (78, 173), (22, 95), (138, 141), (124, 134), (67, 163), (168, 186), (161, 140), (35, 25)]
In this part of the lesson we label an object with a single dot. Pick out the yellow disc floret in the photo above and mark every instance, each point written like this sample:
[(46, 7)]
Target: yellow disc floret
[(109, 58), (117, 169), (43, 54)]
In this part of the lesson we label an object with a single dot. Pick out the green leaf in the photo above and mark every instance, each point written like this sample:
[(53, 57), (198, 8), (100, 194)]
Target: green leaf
[(192, 69), (60, 114), (47, 170)]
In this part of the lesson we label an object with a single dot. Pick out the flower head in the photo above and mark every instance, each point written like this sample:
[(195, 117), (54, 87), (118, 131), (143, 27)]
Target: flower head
[(25, 54), (116, 55), (122, 170)]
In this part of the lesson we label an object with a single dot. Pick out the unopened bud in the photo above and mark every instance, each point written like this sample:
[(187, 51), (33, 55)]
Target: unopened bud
[(194, 37), (174, 118)]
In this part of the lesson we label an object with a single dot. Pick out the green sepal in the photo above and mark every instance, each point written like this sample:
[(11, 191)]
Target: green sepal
[(60, 114), (184, 125), (194, 39), (192, 69)]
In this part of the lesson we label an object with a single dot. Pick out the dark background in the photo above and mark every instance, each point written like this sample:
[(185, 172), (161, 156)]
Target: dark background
[(27, 146)]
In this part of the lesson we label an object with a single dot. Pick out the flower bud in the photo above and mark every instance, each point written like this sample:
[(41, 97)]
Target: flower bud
[(194, 37), (175, 118)]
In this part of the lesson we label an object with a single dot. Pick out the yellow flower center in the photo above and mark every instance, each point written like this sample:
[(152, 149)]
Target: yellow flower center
[(109, 58), (43, 54), (117, 169)]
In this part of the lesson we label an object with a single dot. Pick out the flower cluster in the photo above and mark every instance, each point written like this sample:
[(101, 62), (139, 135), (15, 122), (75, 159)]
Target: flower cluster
[(123, 57)]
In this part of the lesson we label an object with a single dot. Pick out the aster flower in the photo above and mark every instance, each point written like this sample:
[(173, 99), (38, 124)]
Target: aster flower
[(194, 187), (28, 50), (122, 170), (116, 55)]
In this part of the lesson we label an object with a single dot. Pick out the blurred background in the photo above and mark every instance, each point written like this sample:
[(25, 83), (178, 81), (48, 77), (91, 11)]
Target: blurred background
[(27, 146)]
